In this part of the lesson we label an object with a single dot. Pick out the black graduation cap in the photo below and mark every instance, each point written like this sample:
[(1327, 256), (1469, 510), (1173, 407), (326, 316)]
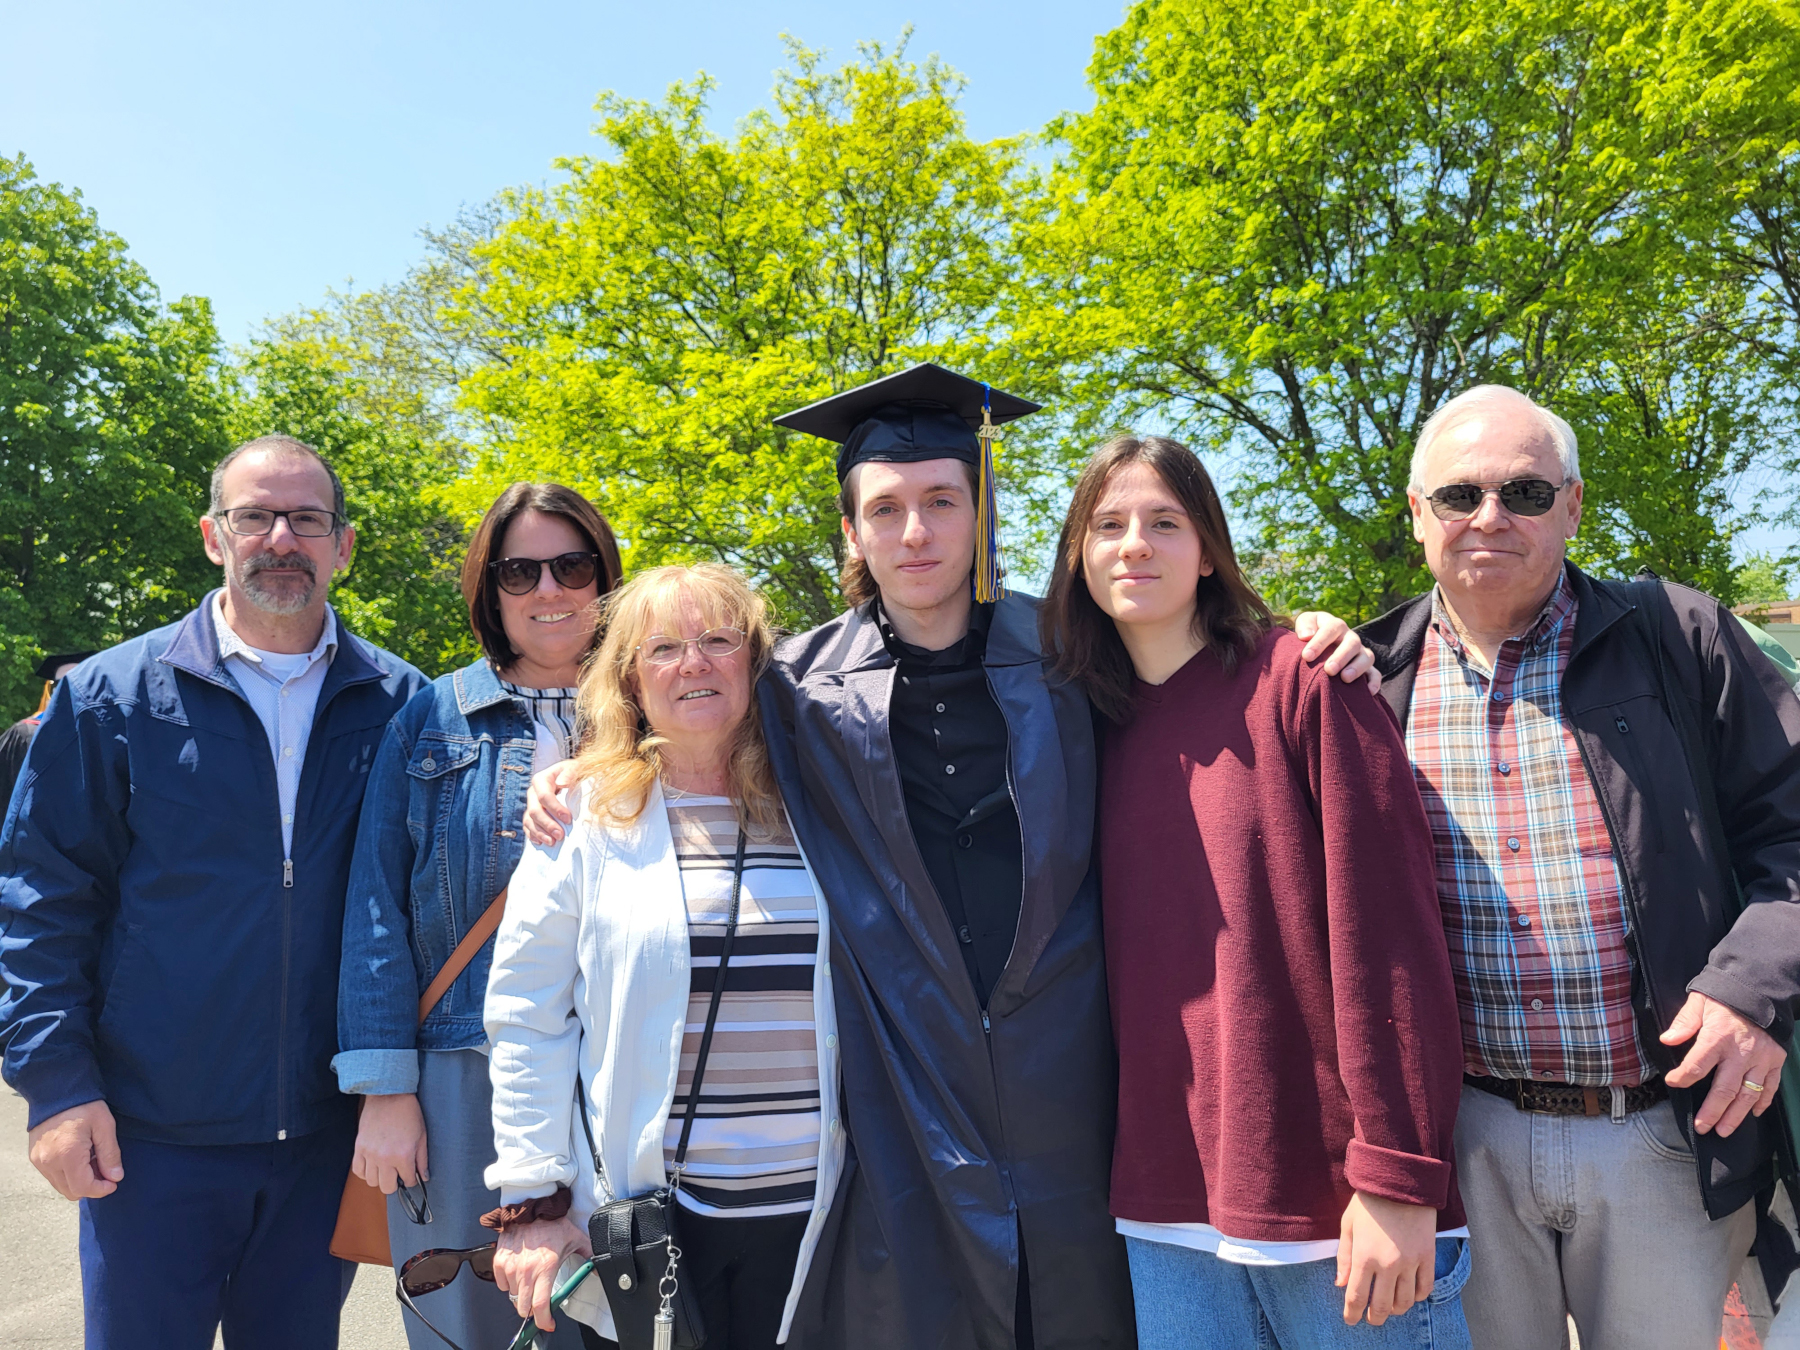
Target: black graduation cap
[(924, 412), (46, 669)]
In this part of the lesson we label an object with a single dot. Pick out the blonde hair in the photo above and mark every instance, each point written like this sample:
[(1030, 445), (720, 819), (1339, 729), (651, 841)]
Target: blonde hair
[(621, 755)]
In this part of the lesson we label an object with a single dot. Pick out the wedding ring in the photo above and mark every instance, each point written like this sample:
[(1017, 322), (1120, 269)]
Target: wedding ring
[(1752, 1087)]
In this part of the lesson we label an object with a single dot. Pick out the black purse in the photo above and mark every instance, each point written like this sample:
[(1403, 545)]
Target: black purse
[(637, 1243)]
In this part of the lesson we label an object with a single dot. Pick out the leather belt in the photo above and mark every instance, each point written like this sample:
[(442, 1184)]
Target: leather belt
[(1569, 1099)]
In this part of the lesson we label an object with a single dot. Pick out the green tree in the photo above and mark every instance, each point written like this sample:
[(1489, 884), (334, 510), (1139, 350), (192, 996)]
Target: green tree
[(1671, 422), (644, 322), (1294, 232), (112, 413), (1765, 579), (342, 380)]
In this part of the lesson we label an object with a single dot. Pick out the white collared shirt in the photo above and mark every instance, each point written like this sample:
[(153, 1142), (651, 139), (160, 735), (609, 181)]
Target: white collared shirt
[(284, 690)]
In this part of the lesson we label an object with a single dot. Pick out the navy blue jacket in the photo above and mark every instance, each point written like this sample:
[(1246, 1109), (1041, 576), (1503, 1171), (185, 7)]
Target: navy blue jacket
[(441, 836), (155, 951)]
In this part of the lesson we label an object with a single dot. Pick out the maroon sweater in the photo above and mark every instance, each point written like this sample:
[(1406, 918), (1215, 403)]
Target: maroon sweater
[(1281, 992)]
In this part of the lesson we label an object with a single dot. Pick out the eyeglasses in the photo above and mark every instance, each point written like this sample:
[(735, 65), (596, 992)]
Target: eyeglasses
[(520, 576), (658, 650), (307, 523), (419, 1212), (432, 1270), (1521, 496)]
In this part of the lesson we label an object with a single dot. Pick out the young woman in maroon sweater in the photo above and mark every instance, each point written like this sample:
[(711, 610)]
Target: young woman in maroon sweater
[(1289, 1053)]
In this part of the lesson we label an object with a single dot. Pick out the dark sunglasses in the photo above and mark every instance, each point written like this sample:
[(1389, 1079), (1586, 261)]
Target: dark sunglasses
[(431, 1270), (1521, 496), (520, 576)]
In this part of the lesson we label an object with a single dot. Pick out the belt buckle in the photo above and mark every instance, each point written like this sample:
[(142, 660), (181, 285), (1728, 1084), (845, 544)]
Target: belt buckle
[(1526, 1099)]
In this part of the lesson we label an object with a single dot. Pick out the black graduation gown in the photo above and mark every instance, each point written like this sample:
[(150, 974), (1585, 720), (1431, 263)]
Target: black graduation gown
[(15, 742), (970, 1128)]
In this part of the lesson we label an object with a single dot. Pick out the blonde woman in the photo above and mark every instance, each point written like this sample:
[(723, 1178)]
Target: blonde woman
[(604, 968)]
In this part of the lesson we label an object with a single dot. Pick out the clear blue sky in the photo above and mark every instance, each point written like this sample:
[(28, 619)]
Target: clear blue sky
[(261, 153)]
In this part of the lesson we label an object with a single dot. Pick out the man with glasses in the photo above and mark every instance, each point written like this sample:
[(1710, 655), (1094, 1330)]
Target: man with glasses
[(172, 883), (1611, 778)]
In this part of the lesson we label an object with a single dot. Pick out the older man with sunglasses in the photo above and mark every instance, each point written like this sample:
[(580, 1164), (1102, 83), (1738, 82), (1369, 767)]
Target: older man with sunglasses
[(1611, 777), (172, 877)]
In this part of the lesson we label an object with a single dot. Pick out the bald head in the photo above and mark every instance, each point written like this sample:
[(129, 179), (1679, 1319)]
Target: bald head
[(1502, 412)]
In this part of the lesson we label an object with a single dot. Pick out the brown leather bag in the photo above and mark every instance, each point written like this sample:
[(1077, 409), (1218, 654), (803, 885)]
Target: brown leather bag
[(362, 1229)]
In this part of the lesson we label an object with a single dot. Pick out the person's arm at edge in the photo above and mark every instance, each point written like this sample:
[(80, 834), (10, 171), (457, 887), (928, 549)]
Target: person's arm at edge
[(60, 855), (1738, 1017)]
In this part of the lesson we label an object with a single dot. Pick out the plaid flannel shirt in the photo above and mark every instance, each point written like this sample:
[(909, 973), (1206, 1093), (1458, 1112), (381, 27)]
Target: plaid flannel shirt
[(1525, 867)]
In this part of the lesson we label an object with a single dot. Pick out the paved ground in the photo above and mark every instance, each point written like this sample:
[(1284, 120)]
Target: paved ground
[(40, 1284)]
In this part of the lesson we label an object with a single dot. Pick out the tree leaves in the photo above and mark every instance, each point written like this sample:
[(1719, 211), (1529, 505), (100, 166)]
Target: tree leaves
[(652, 315), (1294, 233), (111, 415)]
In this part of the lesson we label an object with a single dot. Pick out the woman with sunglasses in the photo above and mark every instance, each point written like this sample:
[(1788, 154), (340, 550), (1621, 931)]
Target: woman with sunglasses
[(438, 841), (677, 901)]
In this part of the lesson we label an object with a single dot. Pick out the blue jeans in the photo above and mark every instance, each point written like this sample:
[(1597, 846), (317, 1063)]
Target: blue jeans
[(1191, 1300), (207, 1234)]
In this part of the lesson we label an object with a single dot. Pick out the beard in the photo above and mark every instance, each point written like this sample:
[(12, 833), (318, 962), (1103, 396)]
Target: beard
[(249, 573)]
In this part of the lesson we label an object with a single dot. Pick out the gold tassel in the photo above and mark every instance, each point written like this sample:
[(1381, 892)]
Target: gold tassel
[(988, 570)]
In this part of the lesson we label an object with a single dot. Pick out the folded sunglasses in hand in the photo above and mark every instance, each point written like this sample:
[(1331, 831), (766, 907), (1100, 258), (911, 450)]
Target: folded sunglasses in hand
[(431, 1270)]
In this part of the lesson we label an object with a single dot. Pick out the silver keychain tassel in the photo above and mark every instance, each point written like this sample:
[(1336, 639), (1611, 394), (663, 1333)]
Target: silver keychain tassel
[(662, 1334)]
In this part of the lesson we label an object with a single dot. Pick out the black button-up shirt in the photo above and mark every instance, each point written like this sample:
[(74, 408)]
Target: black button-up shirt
[(950, 742)]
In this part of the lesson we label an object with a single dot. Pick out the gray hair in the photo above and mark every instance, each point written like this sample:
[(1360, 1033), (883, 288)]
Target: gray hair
[(291, 445), (1492, 398)]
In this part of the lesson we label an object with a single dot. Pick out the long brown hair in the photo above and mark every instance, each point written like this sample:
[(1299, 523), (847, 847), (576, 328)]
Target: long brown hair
[(1229, 616), (621, 754), (482, 592)]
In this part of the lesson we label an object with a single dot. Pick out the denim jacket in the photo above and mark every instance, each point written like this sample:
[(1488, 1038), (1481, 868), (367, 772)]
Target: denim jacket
[(440, 836)]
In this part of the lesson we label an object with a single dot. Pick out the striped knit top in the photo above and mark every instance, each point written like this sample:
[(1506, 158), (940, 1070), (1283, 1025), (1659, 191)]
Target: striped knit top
[(755, 1144), (553, 713)]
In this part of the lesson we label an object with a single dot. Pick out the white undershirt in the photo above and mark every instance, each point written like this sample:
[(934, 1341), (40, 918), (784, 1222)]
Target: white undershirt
[(1203, 1237)]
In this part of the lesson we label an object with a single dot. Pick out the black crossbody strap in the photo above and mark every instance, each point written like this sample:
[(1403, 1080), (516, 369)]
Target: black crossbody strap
[(712, 1013), (712, 1017)]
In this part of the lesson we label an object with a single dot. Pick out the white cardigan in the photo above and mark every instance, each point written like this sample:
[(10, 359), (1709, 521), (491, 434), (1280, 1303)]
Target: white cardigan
[(591, 959)]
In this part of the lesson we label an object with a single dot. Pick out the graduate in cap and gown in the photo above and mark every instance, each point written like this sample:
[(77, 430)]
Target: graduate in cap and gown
[(941, 780), (16, 739)]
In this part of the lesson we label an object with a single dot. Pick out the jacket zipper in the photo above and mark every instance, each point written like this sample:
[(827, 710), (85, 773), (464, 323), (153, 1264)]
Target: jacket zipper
[(287, 912), (281, 1041)]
